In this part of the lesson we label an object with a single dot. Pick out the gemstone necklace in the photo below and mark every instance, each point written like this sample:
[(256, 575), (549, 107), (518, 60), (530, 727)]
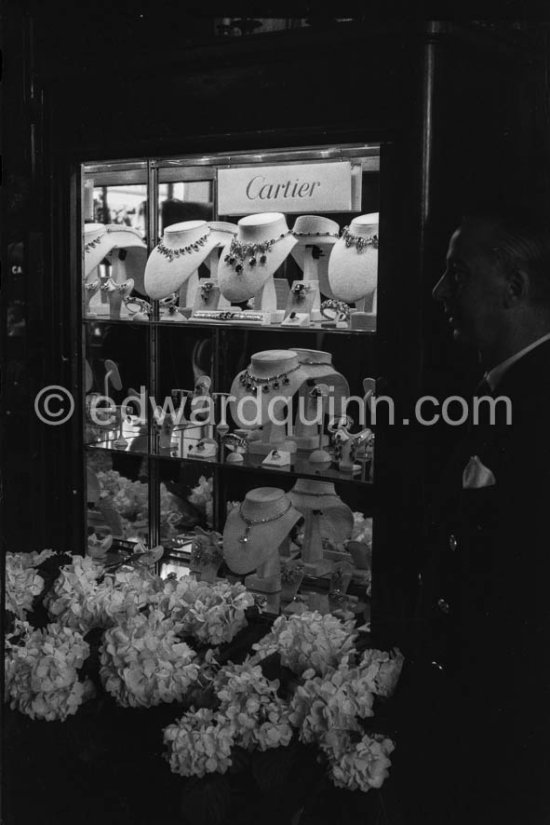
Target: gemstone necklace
[(171, 253), (255, 252), (250, 523), (251, 382), (357, 241)]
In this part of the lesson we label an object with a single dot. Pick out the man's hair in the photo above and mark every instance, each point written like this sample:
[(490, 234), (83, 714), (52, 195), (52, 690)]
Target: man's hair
[(522, 241)]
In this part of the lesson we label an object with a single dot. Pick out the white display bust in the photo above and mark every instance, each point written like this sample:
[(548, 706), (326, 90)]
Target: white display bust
[(255, 530), (99, 240), (245, 264), (313, 231), (183, 248), (260, 394), (353, 268)]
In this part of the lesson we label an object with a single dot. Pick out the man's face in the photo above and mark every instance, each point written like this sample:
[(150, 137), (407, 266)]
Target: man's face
[(473, 287)]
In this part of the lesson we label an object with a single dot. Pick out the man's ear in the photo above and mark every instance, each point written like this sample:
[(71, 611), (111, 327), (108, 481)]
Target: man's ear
[(518, 286)]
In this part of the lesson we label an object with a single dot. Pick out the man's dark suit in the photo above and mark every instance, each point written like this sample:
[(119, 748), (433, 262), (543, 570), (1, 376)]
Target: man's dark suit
[(483, 670)]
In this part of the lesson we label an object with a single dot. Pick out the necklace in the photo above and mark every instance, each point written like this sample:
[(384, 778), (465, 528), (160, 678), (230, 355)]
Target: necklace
[(91, 244), (316, 234), (252, 523), (239, 251), (252, 382), (112, 286), (357, 241), (171, 253), (108, 229)]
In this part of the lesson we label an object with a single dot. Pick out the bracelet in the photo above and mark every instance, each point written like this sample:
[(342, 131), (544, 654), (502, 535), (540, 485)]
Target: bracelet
[(345, 422), (233, 441), (140, 303), (335, 310), (167, 306)]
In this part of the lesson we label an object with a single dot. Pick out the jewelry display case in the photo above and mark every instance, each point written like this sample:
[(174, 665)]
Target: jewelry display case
[(229, 361)]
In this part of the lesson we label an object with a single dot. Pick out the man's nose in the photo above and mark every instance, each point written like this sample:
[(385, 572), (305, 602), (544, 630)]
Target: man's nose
[(441, 289)]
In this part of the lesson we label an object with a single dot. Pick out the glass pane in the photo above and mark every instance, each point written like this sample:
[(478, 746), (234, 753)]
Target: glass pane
[(186, 387), (115, 248), (116, 387), (118, 496)]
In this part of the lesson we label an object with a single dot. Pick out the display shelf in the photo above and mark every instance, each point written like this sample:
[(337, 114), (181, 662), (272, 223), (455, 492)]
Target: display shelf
[(224, 325), (298, 469)]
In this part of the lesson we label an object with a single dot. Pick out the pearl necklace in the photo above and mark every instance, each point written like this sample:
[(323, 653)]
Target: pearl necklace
[(239, 251), (171, 253), (250, 523), (357, 241)]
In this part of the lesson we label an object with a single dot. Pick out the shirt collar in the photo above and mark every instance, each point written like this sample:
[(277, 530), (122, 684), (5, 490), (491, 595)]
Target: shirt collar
[(494, 376)]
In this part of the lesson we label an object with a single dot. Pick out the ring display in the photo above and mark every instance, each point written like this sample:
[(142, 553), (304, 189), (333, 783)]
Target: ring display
[(334, 310)]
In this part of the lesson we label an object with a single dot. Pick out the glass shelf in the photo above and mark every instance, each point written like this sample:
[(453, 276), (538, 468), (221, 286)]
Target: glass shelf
[(299, 467)]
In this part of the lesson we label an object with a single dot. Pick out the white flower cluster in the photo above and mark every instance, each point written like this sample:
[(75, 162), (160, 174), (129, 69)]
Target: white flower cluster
[(259, 717), (199, 743), (144, 663), (201, 497), (23, 582), (84, 597), (379, 670), (362, 528), (332, 702), (250, 715), (358, 766), (72, 599), (131, 501), (327, 709), (211, 613), (41, 673), (308, 640), (130, 498)]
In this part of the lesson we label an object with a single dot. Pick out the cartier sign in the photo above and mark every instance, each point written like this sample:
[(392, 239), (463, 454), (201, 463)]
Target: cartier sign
[(306, 188)]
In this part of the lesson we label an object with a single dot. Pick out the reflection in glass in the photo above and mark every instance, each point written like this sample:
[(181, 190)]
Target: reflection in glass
[(115, 383), (186, 500), (117, 496), (114, 252), (184, 201)]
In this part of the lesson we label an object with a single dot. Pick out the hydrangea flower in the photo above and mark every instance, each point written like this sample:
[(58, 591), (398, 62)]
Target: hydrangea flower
[(72, 598), (23, 582), (84, 597), (358, 766), (41, 671), (379, 670), (332, 702), (308, 640), (249, 701), (201, 497), (144, 663), (211, 613), (362, 528), (199, 743)]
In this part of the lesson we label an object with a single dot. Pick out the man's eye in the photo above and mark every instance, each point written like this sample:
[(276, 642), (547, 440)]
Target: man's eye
[(457, 274)]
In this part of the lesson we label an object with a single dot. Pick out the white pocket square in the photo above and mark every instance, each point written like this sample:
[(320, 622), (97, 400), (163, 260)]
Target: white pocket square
[(476, 475)]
